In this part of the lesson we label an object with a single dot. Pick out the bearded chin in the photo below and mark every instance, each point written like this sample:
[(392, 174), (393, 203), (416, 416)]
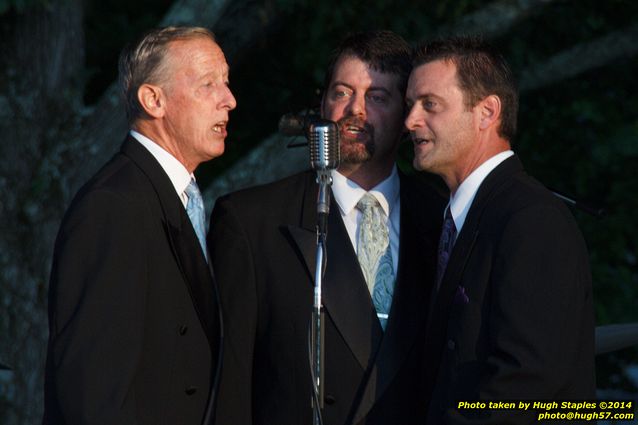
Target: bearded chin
[(355, 152)]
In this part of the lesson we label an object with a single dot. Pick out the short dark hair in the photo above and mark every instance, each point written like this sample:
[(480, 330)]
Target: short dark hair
[(481, 72), (383, 51), (143, 61)]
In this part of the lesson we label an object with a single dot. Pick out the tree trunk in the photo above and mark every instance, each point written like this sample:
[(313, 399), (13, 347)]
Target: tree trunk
[(495, 18), (52, 144), (582, 58), (43, 59)]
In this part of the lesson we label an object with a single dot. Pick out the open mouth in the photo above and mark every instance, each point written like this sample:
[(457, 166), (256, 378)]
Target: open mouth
[(220, 127), (354, 131), (420, 141), (354, 128)]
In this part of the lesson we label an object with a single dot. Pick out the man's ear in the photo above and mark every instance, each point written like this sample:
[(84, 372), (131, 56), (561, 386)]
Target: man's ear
[(490, 109), (152, 99)]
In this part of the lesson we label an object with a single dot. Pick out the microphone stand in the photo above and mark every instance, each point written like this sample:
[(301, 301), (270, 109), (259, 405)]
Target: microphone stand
[(324, 180)]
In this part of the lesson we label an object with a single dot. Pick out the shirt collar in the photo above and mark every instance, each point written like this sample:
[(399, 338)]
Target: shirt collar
[(461, 201), (177, 173), (347, 193)]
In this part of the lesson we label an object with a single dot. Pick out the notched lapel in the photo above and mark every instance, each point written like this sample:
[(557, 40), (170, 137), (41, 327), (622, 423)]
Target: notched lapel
[(305, 242), (181, 238), (196, 273), (304, 236), (495, 181), (346, 296)]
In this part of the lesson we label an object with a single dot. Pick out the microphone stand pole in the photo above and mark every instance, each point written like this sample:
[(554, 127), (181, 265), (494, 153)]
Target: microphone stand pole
[(324, 179)]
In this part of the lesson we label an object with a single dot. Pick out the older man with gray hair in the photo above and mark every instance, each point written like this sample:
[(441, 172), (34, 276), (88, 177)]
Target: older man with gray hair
[(133, 318)]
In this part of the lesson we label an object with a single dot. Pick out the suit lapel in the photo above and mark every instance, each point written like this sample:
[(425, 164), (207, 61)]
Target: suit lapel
[(438, 321), (182, 239), (304, 235), (345, 294), (491, 186)]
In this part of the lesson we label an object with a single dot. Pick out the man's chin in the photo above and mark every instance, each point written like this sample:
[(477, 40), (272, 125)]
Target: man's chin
[(355, 157), (354, 152), (421, 164)]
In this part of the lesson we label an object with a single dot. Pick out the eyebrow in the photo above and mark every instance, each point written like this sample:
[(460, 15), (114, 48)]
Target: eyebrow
[(424, 96), (214, 73), (373, 88)]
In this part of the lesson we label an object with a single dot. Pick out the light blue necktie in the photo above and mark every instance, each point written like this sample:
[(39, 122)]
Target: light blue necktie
[(375, 255), (195, 210)]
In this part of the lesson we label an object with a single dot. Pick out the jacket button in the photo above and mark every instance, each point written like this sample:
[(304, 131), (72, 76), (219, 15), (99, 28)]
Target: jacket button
[(183, 329), (451, 344), (190, 390), (329, 400)]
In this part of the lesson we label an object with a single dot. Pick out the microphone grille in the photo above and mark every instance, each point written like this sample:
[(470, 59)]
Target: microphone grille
[(323, 140)]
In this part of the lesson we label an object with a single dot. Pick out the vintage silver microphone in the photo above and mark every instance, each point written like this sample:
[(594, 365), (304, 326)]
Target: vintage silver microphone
[(323, 137), (323, 141)]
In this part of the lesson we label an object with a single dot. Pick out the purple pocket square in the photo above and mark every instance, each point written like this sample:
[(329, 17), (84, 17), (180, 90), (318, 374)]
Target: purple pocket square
[(461, 297)]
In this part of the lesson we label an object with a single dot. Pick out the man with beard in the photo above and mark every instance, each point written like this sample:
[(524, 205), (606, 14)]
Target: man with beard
[(383, 231)]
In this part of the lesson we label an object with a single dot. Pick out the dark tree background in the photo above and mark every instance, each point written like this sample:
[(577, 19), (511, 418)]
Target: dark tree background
[(60, 118)]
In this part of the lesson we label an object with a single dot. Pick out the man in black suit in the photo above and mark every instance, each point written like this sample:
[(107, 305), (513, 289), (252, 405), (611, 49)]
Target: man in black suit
[(513, 316), (133, 316), (263, 244)]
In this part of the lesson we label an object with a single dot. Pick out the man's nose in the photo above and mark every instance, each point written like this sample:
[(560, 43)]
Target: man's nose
[(357, 105)]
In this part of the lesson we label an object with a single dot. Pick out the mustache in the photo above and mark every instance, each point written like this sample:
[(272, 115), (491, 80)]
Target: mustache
[(357, 122)]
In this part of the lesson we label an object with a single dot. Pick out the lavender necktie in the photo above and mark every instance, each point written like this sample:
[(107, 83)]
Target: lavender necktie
[(375, 255), (448, 236)]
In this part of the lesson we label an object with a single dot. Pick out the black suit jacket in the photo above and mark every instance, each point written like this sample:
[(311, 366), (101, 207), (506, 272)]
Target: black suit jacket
[(263, 244), (133, 319), (513, 318)]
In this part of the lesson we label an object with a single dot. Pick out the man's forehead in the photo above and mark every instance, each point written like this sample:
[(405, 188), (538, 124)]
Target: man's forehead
[(201, 53), (349, 66), (196, 46), (437, 71)]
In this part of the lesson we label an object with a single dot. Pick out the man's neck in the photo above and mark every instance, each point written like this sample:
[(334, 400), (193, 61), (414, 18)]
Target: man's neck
[(457, 177), (366, 175), (157, 134)]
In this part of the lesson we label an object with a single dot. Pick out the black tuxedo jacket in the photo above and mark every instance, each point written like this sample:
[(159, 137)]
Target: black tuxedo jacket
[(263, 245), (133, 319), (513, 318)]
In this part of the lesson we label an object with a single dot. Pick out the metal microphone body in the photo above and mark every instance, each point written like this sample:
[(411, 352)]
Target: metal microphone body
[(323, 141)]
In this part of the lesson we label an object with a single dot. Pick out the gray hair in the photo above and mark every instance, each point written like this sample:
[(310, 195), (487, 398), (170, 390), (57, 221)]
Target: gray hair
[(144, 61)]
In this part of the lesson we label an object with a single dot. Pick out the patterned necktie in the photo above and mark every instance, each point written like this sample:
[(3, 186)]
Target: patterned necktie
[(448, 236), (195, 210), (375, 255)]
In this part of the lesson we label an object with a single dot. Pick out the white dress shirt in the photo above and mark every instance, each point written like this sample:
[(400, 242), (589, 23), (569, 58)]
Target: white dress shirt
[(347, 194), (461, 201), (177, 173)]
